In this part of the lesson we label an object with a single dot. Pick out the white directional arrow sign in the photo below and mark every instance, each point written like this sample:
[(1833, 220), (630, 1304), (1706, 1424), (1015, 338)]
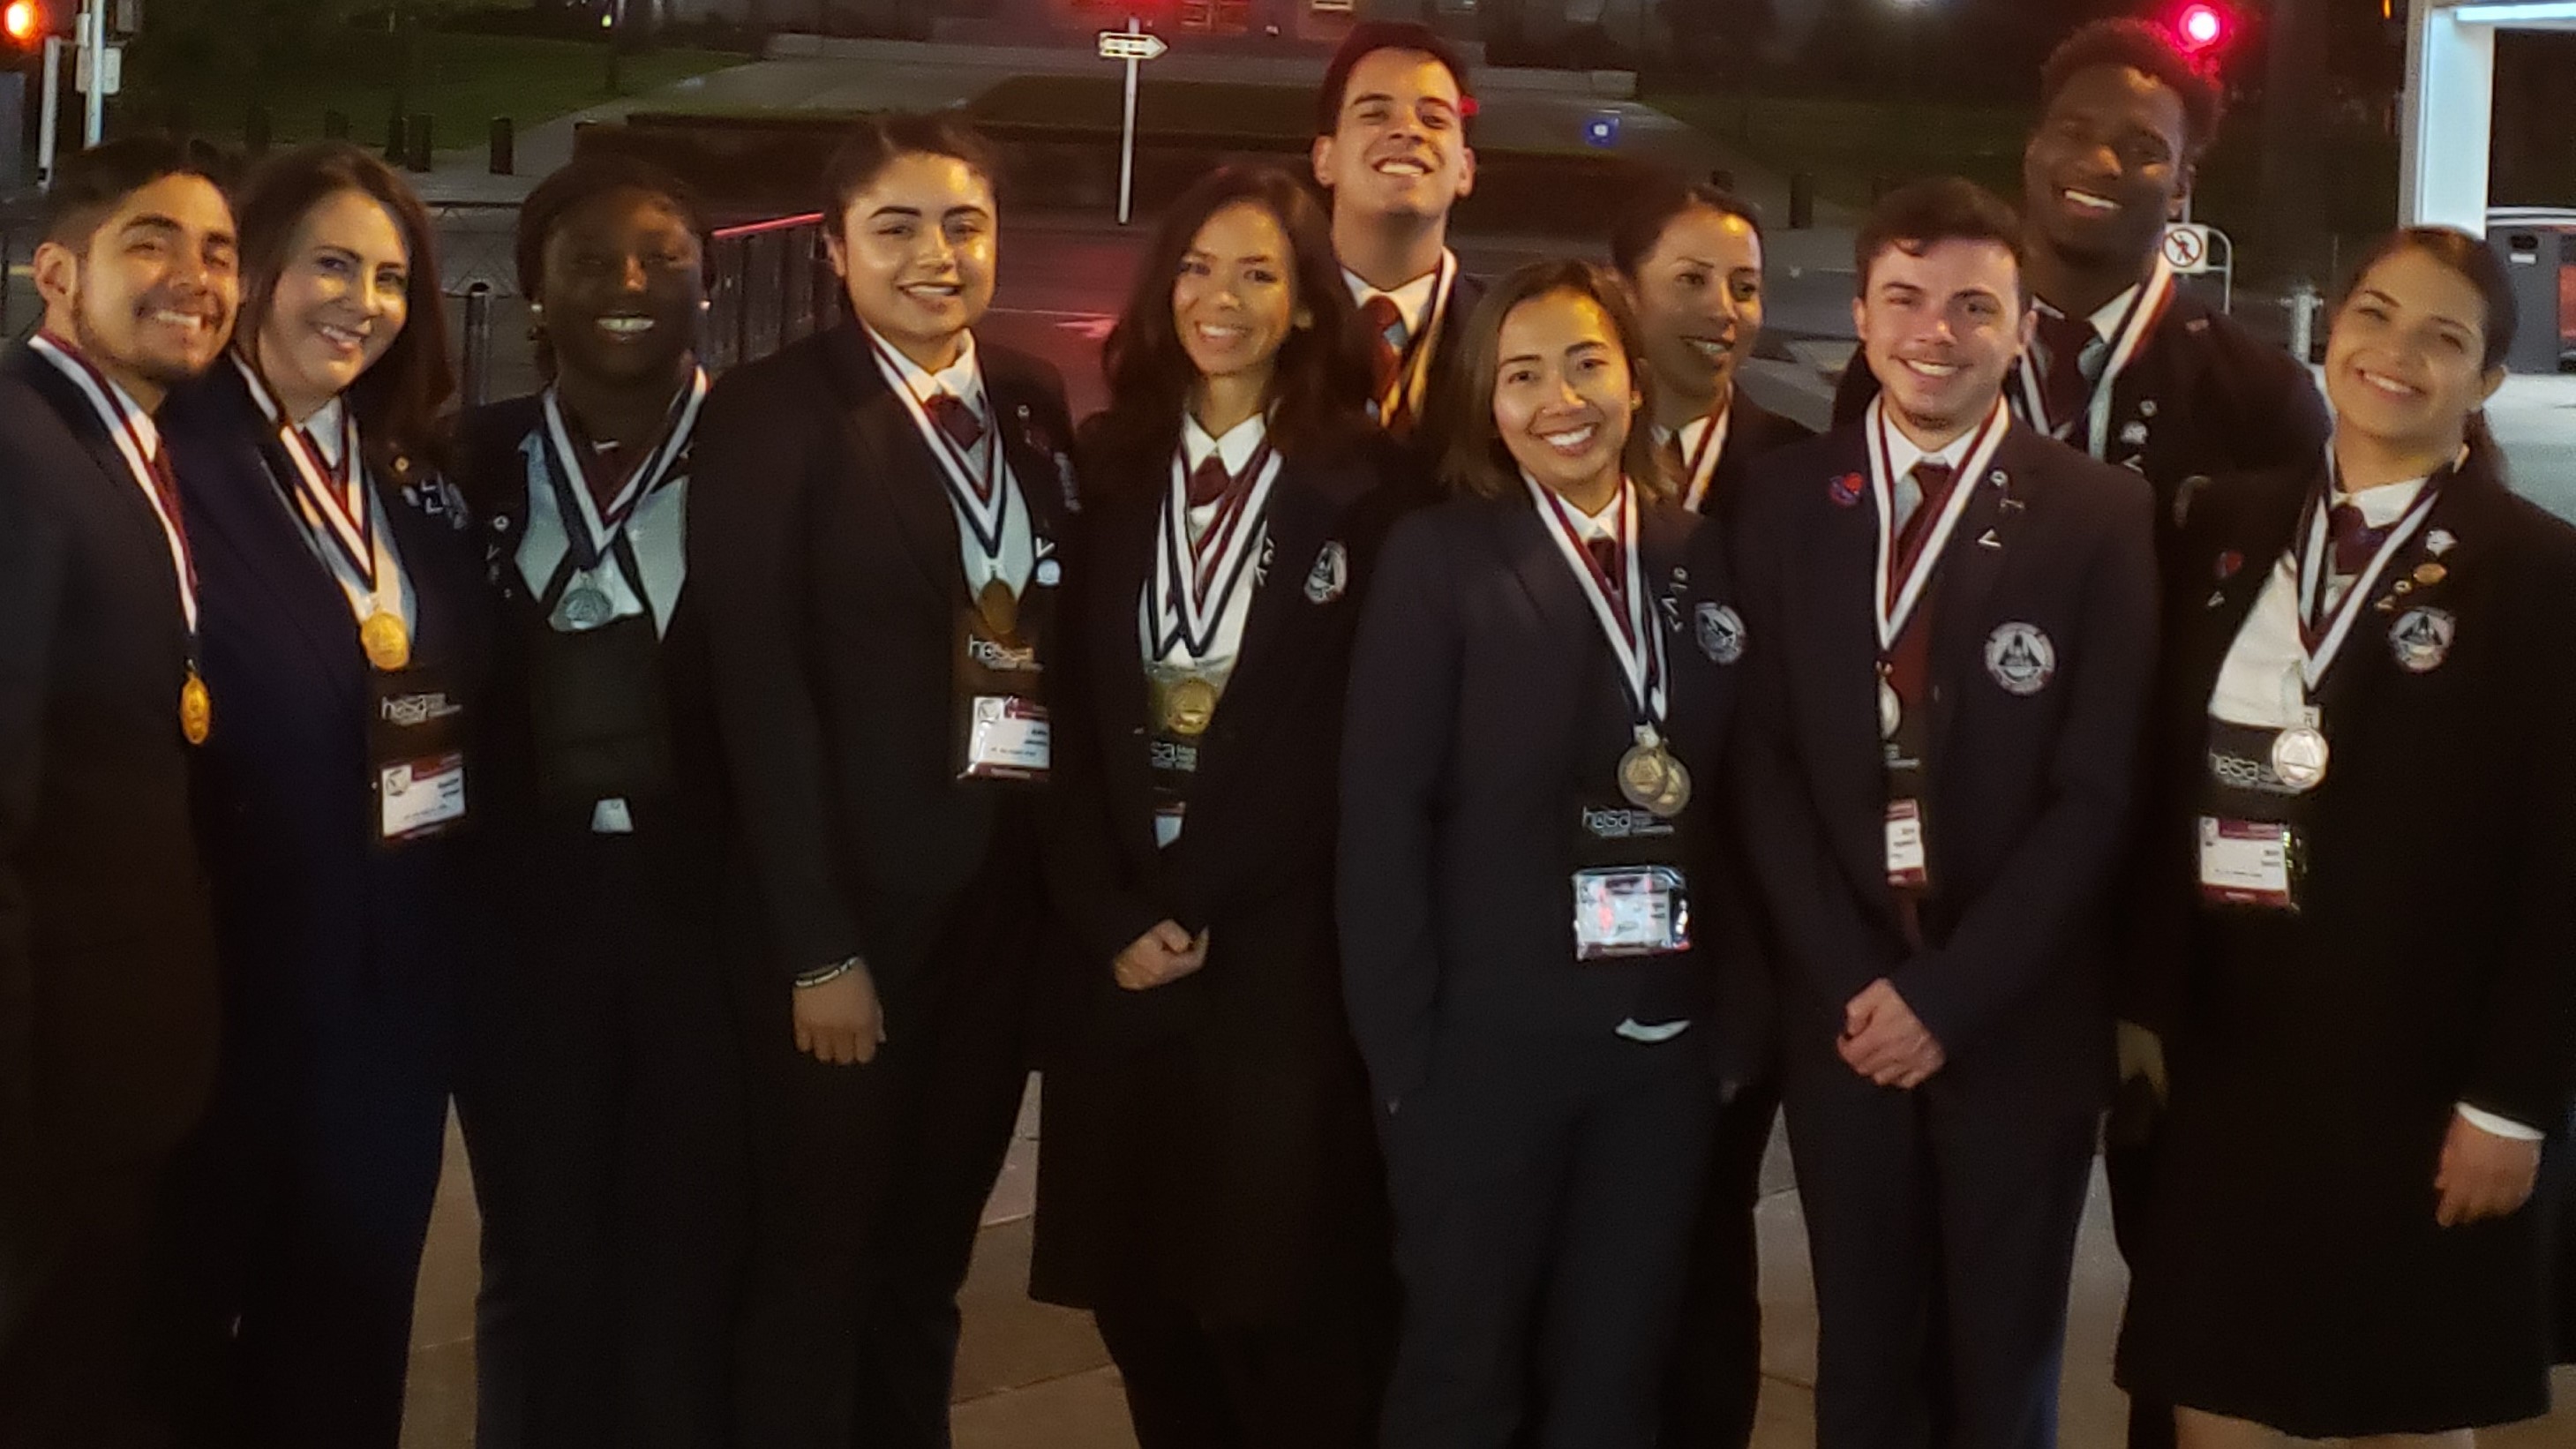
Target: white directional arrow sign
[(1133, 47), (1125, 45)]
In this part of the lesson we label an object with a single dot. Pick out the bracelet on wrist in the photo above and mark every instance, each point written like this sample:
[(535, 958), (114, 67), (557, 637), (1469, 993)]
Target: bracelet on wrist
[(833, 972)]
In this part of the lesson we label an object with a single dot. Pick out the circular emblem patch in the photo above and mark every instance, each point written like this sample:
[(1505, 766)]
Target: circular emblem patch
[(2020, 658), (2421, 639), (1721, 632)]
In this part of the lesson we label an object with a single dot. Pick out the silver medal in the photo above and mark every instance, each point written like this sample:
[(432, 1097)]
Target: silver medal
[(582, 609), (1891, 710), (2299, 757)]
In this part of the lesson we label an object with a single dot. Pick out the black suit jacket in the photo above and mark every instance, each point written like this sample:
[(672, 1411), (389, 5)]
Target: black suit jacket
[(1481, 692), (304, 898), (2030, 794), (824, 551), (1273, 1151), (1753, 432), (2443, 838), (2203, 397), (107, 973)]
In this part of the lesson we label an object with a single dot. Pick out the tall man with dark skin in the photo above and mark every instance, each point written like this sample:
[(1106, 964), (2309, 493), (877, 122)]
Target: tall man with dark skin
[(107, 973), (1391, 148)]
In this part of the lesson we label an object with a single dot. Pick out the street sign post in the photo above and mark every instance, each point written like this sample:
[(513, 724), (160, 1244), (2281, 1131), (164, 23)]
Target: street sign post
[(1132, 47), (2196, 249)]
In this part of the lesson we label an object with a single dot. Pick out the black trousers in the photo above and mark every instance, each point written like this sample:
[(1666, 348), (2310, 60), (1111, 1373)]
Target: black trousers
[(80, 1366), (603, 1109), (2129, 1163), (1942, 1227), (1317, 1381), (1544, 1190), (870, 1183), (1716, 1378)]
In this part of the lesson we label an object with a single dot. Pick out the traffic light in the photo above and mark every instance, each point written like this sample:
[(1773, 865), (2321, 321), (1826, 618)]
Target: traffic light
[(2202, 27), (22, 22)]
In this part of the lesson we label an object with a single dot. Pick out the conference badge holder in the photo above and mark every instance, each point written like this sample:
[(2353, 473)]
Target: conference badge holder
[(1001, 729), (415, 755)]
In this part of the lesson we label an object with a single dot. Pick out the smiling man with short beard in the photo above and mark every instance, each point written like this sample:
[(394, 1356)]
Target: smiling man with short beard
[(107, 974)]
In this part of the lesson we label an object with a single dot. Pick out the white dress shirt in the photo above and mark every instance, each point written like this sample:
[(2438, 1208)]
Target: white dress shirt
[(1413, 300), (392, 592), (2260, 685), (1695, 487), (657, 528), (1236, 449)]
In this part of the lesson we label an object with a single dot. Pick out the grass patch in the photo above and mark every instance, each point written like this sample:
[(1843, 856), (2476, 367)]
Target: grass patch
[(461, 81)]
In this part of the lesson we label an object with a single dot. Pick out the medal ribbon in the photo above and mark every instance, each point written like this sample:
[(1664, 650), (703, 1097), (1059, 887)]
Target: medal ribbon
[(1700, 463), (589, 530), (2322, 633), (1403, 400), (125, 428), (976, 488), (2155, 295), (1894, 601), (1634, 640), (1187, 615), (335, 506)]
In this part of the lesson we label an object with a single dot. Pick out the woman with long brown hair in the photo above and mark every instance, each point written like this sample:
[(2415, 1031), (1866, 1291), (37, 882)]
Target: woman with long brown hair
[(1537, 707), (1208, 1186), (2356, 934), (341, 632)]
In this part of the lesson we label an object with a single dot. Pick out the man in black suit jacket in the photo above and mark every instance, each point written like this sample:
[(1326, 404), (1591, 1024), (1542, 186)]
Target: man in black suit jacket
[(1953, 624), (873, 596), (2124, 120), (1391, 147), (107, 975)]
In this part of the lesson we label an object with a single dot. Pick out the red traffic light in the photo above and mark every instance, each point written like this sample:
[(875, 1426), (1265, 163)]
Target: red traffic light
[(2201, 27), (23, 21)]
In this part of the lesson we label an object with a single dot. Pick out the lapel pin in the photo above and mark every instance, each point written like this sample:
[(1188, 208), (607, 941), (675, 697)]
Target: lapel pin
[(2146, 407), (1990, 540), (2228, 563), (2430, 574), (2134, 435), (1845, 490), (2439, 542)]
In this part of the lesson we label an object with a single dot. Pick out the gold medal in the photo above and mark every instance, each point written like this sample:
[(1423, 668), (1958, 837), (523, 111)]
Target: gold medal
[(1000, 609), (1189, 705), (387, 642), (1652, 780), (196, 710)]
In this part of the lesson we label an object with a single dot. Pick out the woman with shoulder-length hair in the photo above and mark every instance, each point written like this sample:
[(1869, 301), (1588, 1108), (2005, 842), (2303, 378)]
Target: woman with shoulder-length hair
[(342, 634), (1209, 1186), (2358, 931), (602, 1102), (1537, 708)]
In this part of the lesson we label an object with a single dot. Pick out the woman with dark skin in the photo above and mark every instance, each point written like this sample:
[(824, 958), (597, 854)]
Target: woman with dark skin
[(1209, 1185), (602, 1108)]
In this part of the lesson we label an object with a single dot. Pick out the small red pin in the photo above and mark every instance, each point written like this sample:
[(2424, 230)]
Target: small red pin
[(1846, 489), (2229, 562)]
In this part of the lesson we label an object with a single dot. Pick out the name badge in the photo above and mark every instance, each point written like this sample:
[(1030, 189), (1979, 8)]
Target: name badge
[(415, 756), (420, 797), (1006, 738), (1908, 865), (2247, 863), (1628, 911)]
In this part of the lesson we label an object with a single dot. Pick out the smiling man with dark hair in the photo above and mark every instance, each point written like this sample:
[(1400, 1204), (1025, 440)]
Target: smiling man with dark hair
[(107, 973)]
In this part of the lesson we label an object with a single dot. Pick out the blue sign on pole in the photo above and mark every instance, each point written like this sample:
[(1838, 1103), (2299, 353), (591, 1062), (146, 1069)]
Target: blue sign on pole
[(1601, 129)]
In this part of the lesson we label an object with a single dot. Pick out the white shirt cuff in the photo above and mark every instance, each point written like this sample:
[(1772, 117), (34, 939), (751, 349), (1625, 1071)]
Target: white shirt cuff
[(2504, 1127)]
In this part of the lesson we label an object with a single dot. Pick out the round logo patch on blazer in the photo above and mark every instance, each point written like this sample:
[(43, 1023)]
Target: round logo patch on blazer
[(1721, 632), (1330, 576), (2020, 658), (2421, 639)]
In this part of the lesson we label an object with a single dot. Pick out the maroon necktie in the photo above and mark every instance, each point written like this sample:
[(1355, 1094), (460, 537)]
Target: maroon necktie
[(2064, 385), (2353, 538), (956, 419), (1935, 480), (1385, 324), (165, 486), (1209, 480)]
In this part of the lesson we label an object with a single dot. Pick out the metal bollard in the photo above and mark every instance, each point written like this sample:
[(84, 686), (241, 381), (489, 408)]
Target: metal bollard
[(504, 145), (478, 344), (396, 139), (416, 156), (2306, 305), (335, 125), (1802, 201)]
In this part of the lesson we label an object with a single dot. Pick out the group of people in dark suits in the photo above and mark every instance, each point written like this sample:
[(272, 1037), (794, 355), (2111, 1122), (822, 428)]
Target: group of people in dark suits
[(1503, 767)]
